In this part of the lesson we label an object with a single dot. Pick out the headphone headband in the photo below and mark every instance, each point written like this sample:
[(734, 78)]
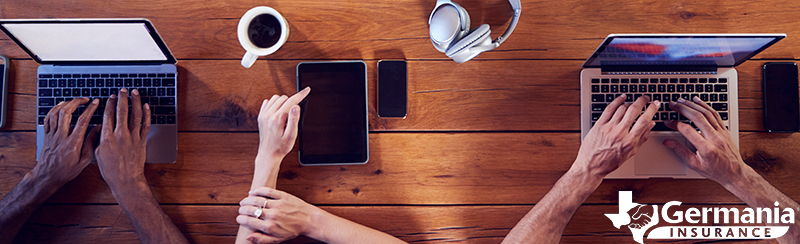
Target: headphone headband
[(511, 26), (515, 5)]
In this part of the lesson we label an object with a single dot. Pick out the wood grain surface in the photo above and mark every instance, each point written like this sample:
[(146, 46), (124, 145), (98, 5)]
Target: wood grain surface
[(211, 224), (482, 143), (431, 168), (385, 29)]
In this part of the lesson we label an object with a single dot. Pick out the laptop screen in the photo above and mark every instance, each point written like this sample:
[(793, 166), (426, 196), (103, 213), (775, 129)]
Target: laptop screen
[(87, 41), (723, 51)]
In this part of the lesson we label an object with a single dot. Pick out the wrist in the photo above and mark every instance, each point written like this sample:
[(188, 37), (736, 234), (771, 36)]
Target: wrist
[(133, 196), (581, 172), (318, 219), (133, 186), (266, 170), (738, 179), (266, 161), (269, 154), (40, 186), (44, 179)]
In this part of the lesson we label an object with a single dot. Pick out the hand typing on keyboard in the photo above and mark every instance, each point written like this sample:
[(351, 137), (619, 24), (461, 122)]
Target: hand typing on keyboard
[(122, 150), (718, 159), (65, 152), (612, 140), (121, 156), (717, 156)]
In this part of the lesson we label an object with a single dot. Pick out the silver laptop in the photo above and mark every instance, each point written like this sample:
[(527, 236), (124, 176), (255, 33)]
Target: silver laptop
[(667, 67), (95, 58)]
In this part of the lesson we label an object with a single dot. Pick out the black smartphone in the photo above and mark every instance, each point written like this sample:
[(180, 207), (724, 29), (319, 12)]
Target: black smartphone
[(781, 102), (392, 88), (4, 66)]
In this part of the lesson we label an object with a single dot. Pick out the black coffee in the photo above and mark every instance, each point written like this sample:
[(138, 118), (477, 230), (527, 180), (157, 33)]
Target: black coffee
[(264, 30)]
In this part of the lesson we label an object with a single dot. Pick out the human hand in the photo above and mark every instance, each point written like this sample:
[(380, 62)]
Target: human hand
[(284, 217), (65, 153), (277, 130), (717, 156), (612, 141), (277, 124), (122, 150)]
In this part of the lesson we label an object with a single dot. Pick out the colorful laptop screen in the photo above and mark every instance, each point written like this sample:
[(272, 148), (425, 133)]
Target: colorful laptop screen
[(679, 50)]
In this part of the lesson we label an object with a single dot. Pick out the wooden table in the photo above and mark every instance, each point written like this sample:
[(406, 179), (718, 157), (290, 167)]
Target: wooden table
[(482, 143)]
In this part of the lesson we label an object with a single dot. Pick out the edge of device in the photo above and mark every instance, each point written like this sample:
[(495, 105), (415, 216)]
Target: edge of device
[(366, 109), (4, 94)]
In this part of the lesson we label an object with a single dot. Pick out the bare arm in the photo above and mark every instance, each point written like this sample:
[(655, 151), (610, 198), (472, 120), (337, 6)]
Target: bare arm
[(608, 144), (18, 205), (64, 155), (121, 156), (758, 193), (334, 229), (718, 159), (271, 216), (266, 175), (545, 223), (277, 131), (151, 223), (286, 216)]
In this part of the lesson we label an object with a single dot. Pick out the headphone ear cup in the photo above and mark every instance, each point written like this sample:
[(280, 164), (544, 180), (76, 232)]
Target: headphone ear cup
[(447, 26), (475, 37), (464, 17)]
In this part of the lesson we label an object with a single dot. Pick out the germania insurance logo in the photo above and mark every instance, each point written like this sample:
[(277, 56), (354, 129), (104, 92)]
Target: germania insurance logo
[(640, 217)]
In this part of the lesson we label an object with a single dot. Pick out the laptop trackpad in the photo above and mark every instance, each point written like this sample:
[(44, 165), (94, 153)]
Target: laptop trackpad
[(653, 158)]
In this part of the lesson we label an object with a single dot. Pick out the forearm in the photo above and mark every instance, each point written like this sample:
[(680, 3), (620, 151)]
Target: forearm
[(266, 171), (546, 221), (758, 193), (19, 204), (265, 174), (333, 229), (151, 223)]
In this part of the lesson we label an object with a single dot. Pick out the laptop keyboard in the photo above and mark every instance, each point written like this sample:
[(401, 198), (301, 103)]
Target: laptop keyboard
[(713, 91), (157, 89)]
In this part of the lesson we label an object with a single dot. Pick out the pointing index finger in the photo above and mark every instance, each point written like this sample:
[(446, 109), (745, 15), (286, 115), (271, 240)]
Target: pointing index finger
[(295, 99)]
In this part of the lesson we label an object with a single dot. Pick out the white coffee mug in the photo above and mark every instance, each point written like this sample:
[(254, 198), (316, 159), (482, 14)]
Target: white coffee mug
[(262, 31)]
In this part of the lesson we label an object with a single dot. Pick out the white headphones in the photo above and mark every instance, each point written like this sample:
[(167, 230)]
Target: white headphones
[(450, 33)]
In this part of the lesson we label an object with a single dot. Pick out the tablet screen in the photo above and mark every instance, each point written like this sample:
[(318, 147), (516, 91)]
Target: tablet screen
[(333, 119)]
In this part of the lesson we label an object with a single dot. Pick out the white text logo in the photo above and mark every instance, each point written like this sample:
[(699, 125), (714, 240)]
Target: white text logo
[(639, 218)]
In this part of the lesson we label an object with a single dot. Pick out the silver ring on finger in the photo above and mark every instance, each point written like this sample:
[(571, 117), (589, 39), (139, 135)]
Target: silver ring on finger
[(265, 203), (258, 213)]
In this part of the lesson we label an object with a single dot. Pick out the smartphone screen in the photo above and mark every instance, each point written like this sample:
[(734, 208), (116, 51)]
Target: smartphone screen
[(781, 108), (392, 88)]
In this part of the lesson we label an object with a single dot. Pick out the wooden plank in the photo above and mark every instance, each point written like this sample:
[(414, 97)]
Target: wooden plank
[(404, 168), (389, 29), (475, 96), (415, 224)]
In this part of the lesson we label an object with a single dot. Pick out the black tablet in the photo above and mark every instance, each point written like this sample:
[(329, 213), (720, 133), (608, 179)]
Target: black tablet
[(333, 118)]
